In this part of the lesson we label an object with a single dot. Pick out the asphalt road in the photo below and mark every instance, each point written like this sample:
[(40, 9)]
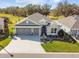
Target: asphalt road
[(47, 55)]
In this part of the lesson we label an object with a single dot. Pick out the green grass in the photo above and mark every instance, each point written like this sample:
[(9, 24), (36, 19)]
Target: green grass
[(13, 20), (59, 46), (5, 42)]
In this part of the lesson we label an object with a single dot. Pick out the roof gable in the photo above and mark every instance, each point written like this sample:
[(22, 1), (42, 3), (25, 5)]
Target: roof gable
[(76, 25), (34, 19), (71, 22), (25, 23), (68, 21)]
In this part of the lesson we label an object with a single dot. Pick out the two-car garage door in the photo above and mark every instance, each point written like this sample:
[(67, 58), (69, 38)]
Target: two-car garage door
[(27, 31)]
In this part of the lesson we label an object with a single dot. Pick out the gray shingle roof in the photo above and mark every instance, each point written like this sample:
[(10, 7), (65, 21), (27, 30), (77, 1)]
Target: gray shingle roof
[(36, 18), (71, 22), (67, 21), (76, 17), (76, 25)]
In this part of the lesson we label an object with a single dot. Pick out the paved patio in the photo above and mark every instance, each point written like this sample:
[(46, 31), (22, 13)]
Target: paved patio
[(24, 44)]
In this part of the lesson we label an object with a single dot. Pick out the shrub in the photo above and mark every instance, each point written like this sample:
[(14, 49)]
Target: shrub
[(1, 31), (43, 38), (61, 33), (11, 35)]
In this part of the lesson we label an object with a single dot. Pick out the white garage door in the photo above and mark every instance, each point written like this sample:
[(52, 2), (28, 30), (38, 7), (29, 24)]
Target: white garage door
[(27, 31)]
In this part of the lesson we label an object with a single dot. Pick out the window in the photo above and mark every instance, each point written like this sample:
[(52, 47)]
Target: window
[(53, 30)]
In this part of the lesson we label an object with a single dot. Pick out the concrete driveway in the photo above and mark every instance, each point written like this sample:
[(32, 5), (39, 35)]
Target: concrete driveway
[(24, 45), (35, 38)]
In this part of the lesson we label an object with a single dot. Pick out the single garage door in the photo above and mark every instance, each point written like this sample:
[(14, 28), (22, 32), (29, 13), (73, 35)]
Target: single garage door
[(27, 31)]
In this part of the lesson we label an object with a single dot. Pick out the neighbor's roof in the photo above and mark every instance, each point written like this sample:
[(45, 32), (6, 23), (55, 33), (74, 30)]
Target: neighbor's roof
[(36, 17), (70, 22), (76, 25), (67, 21), (1, 21)]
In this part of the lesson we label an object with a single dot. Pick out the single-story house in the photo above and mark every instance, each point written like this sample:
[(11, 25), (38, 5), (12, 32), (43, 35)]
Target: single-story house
[(33, 24), (70, 25), (1, 24)]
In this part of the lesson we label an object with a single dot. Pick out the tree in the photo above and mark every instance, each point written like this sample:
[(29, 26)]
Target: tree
[(61, 33), (45, 9), (66, 9), (30, 9), (6, 28), (27, 10)]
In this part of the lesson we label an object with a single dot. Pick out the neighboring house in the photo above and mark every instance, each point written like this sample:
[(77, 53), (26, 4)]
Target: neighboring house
[(70, 25), (32, 25), (1, 24)]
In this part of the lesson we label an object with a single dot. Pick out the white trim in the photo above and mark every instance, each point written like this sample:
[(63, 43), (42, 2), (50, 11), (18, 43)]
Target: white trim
[(14, 30), (39, 31), (21, 21), (25, 20), (27, 26), (32, 21)]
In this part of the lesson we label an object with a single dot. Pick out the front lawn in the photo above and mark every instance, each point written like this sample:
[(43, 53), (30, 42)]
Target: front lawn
[(59, 46), (5, 42), (12, 20)]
